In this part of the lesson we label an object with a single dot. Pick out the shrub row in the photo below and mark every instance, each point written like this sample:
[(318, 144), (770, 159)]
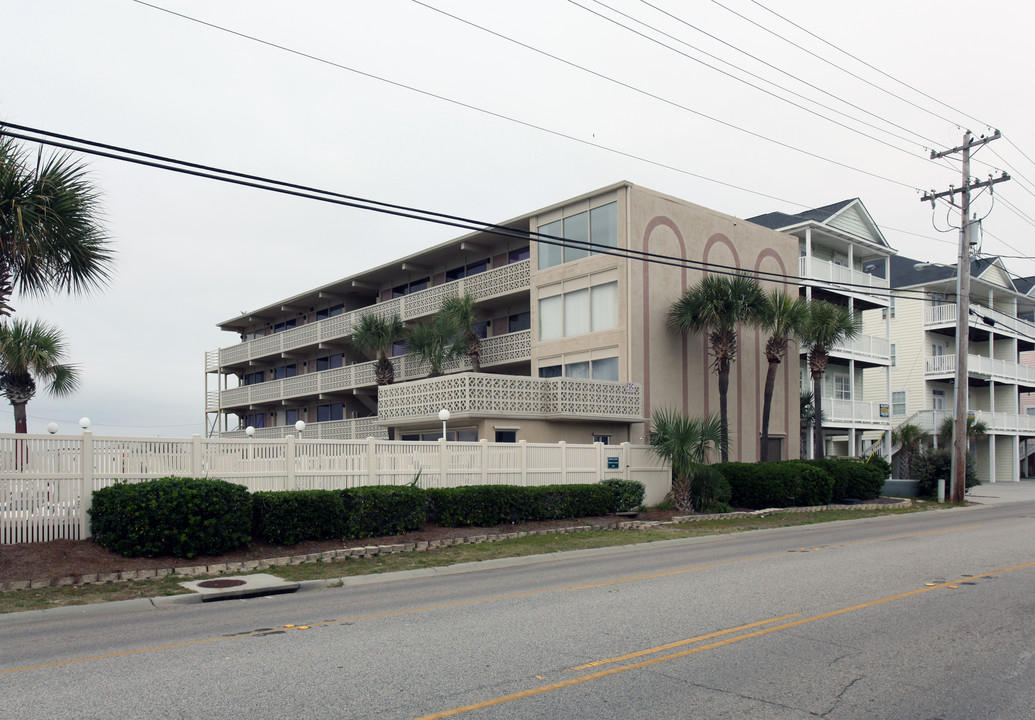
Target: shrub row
[(185, 517), (794, 483)]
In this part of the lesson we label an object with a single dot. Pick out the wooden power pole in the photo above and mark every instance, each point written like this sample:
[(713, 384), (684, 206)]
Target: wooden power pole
[(959, 425)]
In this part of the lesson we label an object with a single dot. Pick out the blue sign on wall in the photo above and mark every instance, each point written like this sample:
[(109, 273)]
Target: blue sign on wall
[(612, 463)]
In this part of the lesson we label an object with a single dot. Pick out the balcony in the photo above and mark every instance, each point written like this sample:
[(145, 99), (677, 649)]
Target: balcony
[(839, 276), (865, 347), (852, 412), (996, 422), (491, 283), (479, 395), (356, 429), (496, 350), (944, 316), (942, 367)]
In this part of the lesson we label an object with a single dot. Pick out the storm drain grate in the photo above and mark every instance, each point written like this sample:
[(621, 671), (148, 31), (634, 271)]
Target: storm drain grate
[(224, 583)]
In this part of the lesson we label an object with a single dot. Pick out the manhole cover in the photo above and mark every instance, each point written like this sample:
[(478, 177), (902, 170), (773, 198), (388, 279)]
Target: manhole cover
[(220, 583)]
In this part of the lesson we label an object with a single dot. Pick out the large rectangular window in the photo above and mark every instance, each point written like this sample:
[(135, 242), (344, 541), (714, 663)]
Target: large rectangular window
[(519, 321), (578, 312), (329, 312), (842, 387), (586, 230), (331, 411), (330, 362), (602, 369), (285, 371)]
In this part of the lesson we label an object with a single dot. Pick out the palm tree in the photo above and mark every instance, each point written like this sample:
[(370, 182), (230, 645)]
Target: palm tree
[(684, 443), (910, 438), (719, 303), (51, 238), (975, 429), (826, 326), (463, 313), (432, 342), (374, 335), (30, 352), (783, 317), (807, 417)]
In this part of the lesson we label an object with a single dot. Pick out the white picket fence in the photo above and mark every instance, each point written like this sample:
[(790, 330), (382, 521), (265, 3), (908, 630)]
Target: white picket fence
[(43, 477)]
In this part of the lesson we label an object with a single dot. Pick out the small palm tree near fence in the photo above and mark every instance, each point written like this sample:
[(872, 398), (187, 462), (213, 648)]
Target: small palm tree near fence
[(685, 443), (31, 353)]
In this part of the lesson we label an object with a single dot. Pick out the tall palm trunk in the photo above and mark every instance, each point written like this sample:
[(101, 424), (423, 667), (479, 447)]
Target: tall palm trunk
[(817, 393), (21, 423), (767, 399), (724, 422)]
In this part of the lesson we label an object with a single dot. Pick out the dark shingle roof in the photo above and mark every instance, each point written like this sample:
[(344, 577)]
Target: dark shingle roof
[(777, 220), (904, 272), (1025, 284)]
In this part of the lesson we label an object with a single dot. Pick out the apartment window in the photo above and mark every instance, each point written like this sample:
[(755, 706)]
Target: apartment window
[(581, 311), (884, 311), (467, 435), (506, 436), (467, 270), (519, 321), (285, 371), (898, 402), (331, 411), (254, 378), (287, 417), (410, 287), (518, 255), (481, 329), (775, 449), (894, 354), (400, 347), (286, 325), (245, 337), (937, 349), (938, 399), (602, 439), (605, 369), (255, 420), (842, 387), (598, 227), (551, 371), (840, 259), (1030, 411), (602, 369), (330, 362), (330, 312)]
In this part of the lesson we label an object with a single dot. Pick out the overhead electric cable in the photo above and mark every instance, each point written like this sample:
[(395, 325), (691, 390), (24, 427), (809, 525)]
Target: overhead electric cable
[(538, 127), (930, 143), (69, 142), (835, 65), (468, 106)]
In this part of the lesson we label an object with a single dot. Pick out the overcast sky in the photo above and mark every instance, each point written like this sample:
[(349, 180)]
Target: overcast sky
[(511, 130)]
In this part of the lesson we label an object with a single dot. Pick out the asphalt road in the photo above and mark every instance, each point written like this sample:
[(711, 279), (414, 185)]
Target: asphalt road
[(920, 616)]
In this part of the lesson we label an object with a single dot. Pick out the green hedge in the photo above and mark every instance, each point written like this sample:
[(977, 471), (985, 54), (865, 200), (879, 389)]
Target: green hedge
[(854, 479), (488, 505), (629, 494), (182, 517), (292, 516), (801, 483), (383, 510)]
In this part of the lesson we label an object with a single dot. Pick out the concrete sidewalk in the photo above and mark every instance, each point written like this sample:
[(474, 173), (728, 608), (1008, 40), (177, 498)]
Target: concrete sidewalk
[(1003, 493)]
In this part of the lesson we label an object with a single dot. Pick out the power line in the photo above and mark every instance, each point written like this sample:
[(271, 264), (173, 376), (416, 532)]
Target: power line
[(835, 65), (773, 67), (160, 162), (539, 127)]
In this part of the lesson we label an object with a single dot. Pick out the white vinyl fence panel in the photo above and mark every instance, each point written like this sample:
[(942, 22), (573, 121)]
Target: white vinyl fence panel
[(46, 482)]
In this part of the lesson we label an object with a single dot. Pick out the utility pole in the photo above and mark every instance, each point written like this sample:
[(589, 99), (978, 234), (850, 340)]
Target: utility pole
[(959, 425)]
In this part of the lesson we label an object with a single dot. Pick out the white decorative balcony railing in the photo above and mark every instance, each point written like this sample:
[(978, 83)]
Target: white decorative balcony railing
[(472, 395), (356, 429), (811, 268), (980, 366), (836, 412), (941, 315), (996, 422), (497, 350), (865, 346), (491, 283)]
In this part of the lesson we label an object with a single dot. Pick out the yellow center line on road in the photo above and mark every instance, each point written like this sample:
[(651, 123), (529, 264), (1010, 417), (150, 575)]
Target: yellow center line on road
[(692, 651), (680, 643), (604, 583)]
